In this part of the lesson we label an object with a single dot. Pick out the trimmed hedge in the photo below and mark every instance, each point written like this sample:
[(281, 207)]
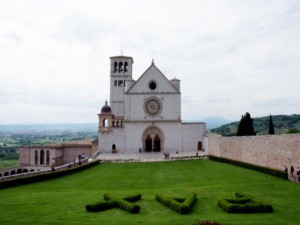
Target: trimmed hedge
[(126, 202), (180, 205), (113, 202), (100, 206), (267, 170), (45, 176), (133, 198), (208, 223), (244, 204)]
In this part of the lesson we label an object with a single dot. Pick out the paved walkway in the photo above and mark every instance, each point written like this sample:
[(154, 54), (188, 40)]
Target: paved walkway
[(147, 157)]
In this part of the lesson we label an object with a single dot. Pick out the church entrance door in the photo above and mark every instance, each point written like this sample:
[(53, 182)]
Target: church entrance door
[(156, 143), (153, 139), (148, 144)]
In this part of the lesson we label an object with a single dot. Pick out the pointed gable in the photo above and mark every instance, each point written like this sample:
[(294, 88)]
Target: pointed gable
[(152, 81)]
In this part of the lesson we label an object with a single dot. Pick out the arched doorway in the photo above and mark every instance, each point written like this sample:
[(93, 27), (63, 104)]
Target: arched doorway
[(199, 145), (156, 143), (153, 139), (113, 148), (148, 143)]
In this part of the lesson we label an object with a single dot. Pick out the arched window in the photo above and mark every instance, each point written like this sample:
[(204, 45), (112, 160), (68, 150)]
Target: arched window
[(42, 157), (19, 171), (121, 67), (36, 157), (115, 67), (125, 67), (48, 157), (25, 171), (6, 174), (105, 123), (12, 172)]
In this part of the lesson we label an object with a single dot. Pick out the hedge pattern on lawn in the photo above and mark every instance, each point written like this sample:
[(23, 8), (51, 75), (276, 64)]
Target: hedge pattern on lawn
[(243, 203), (110, 202), (208, 223), (180, 205)]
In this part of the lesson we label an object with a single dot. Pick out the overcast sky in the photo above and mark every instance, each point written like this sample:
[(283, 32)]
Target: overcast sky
[(232, 56)]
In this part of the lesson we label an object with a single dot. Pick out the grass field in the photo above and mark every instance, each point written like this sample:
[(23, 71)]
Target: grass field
[(8, 163), (63, 200)]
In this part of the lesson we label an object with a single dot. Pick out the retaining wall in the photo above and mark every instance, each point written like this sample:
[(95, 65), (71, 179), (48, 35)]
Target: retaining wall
[(272, 151)]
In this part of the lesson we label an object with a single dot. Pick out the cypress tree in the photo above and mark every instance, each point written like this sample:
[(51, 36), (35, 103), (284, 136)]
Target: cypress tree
[(245, 127), (271, 126)]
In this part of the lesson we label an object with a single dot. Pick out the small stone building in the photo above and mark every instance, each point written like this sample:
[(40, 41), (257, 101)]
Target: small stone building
[(55, 154)]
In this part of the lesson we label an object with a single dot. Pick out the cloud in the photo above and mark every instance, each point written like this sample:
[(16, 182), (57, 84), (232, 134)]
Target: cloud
[(231, 56)]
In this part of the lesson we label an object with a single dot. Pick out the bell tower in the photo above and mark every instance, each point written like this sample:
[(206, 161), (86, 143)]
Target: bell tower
[(120, 73)]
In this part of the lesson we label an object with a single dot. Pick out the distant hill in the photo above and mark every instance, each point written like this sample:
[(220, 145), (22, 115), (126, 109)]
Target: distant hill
[(282, 124), (213, 122), (90, 127)]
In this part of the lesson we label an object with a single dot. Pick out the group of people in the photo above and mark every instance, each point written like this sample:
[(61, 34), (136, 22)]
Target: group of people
[(167, 155), (81, 156), (294, 174)]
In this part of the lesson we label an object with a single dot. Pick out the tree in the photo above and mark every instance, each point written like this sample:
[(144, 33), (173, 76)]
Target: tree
[(271, 126), (293, 131), (245, 127)]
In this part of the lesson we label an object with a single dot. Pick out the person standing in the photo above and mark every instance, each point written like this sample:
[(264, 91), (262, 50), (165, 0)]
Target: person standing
[(298, 174), (292, 171)]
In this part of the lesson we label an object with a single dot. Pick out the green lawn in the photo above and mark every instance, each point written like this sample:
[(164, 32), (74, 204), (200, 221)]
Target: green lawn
[(63, 200), (8, 163)]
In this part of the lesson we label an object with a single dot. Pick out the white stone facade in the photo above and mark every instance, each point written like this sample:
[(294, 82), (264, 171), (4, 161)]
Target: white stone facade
[(145, 115)]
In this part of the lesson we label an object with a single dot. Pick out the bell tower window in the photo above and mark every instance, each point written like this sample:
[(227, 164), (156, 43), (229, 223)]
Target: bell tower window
[(121, 67), (125, 67), (115, 67)]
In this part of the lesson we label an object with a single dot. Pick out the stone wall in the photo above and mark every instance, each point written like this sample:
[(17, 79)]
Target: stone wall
[(272, 151)]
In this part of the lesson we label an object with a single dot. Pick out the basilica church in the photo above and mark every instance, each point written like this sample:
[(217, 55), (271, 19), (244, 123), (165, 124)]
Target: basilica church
[(144, 115)]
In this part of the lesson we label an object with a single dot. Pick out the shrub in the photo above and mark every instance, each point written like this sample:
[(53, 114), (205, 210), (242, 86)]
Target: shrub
[(244, 204), (133, 198), (112, 202), (180, 205), (207, 223), (100, 206), (129, 207)]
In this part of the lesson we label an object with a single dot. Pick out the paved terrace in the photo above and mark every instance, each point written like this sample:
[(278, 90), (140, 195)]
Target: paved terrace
[(149, 156)]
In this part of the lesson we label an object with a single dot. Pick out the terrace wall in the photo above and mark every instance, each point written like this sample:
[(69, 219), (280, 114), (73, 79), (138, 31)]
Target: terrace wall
[(272, 151)]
